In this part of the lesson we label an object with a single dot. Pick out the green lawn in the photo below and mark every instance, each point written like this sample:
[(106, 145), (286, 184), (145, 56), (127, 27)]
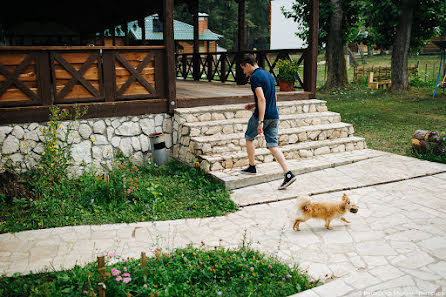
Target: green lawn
[(131, 194), (388, 120)]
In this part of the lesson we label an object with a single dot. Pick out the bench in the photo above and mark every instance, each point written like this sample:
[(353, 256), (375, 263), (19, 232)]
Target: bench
[(384, 83)]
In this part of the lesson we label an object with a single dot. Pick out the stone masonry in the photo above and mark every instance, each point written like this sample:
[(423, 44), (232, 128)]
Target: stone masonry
[(213, 137), (94, 141)]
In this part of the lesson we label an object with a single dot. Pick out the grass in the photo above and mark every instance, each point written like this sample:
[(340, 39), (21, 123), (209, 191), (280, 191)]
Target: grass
[(184, 272), (388, 120), (131, 194)]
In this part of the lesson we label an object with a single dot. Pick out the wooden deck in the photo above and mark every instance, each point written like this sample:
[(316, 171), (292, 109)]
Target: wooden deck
[(200, 93)]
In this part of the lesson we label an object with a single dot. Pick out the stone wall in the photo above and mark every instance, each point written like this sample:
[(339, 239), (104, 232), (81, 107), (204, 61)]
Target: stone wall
[(94, 141)]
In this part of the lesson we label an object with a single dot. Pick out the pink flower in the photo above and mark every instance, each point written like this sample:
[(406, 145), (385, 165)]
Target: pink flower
[(118, 278), (126, 274), (125, 268), (115, 271), (112, 255), (84, 292), (129, 191), (127, 280)]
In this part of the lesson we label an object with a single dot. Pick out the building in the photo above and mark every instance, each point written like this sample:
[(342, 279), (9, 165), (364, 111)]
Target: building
[(183, 34)]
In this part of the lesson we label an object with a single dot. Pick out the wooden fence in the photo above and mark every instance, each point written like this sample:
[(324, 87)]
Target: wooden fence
[(380, 72), (113, 79), (224, 66)]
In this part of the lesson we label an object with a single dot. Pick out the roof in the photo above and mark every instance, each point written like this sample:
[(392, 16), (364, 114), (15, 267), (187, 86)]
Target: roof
[(182, 31)]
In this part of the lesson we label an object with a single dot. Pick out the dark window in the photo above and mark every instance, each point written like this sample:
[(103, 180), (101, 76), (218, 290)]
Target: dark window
[(157, 25)]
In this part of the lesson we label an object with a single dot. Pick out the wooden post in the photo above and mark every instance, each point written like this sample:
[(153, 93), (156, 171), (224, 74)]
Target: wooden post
[(142, 25), (101, 270), (44, 77), (310, 63), (113, 31), (144, 263), (196, 57), (109, 75), (240, 77), (169, 42), (223, 67), (209, 61), (125, 28)]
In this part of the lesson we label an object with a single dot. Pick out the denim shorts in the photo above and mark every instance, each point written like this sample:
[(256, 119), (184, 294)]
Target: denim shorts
[(270, 130)]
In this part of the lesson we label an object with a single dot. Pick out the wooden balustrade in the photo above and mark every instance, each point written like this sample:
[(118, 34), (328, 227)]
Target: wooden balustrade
[(111, 80), (222, 66)]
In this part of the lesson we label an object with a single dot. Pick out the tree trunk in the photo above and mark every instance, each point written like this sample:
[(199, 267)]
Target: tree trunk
[(369, 51), (337, 70), (361, 53), (400, 51)]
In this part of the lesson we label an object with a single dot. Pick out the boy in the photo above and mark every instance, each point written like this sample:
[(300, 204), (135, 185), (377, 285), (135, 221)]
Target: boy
[(265, 119)]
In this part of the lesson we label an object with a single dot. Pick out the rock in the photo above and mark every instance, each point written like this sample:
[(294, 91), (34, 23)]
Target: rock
[(128, 129), (18, 132), (85, 131), (10, 145), (5, 130), (147, 126), (99, 127), (81, 152), (126, 146)]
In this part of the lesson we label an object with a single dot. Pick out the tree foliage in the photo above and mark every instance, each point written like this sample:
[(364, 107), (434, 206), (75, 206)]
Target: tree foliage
[(223, 19), (383, 17)]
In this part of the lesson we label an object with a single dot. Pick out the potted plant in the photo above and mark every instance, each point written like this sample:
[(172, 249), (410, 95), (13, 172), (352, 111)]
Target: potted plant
[(288, 73)]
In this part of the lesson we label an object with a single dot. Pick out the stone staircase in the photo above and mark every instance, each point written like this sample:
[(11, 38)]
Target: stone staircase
[(212, 138)]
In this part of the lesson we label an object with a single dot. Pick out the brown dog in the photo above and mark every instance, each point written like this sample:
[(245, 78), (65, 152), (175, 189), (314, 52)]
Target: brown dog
[(325, 210)]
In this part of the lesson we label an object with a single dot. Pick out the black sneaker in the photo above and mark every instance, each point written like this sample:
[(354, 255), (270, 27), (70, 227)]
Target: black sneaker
[(251, 169), (288, 180)]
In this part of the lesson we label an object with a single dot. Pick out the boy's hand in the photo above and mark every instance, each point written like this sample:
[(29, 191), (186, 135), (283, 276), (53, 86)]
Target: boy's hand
[(250, 106), (260, 128)]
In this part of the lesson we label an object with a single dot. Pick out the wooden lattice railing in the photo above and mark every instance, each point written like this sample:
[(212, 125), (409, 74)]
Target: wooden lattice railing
[(222, 66), (42, 76)]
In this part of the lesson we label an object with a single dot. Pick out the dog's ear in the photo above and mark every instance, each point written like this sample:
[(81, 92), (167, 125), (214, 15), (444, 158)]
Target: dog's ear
[(344, 197)]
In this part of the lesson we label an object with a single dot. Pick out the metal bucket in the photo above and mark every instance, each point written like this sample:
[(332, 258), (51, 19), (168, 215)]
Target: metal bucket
[(159, 153)]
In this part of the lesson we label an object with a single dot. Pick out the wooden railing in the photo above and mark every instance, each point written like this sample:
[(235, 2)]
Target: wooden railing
[(106, 76), (224, 66)]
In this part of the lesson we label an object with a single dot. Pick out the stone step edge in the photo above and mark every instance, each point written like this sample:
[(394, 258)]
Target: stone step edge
[(286, 148), (284, 131), (236, 107), (284, 117), (301, 166)]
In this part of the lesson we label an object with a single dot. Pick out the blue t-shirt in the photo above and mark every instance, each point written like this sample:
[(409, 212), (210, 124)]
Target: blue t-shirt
[(263, 79)]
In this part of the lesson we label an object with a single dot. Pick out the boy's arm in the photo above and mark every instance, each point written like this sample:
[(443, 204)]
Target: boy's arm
[(261, 106)]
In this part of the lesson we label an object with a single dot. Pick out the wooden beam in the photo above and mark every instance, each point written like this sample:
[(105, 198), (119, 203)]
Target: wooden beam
[(169, 43), (196, 49), (95, 110), (310, 63), (241, 78), (142, 25)]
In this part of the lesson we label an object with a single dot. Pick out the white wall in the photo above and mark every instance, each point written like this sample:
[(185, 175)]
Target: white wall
[(283, 30)]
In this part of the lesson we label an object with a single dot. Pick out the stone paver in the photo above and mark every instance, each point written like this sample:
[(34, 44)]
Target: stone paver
[(394, 246)]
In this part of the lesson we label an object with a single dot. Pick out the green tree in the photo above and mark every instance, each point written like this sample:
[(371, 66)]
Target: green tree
[(336, 20), (404, 25), (223, 19)]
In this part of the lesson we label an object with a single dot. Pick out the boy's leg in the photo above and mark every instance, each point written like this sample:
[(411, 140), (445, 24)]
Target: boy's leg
[(277, 153), (250, 148)]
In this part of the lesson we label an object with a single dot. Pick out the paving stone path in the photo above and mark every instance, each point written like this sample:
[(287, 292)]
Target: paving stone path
[(394, 246)]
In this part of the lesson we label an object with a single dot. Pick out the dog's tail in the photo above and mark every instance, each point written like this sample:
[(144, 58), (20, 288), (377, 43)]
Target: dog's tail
[(304, 205)]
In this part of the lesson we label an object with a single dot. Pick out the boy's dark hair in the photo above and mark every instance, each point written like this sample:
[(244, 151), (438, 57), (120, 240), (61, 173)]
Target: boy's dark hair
[(248, 59)]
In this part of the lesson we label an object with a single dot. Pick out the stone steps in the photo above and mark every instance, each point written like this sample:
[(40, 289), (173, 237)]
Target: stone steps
[(212, 137), (271, 171), (235, 125), (218, 143), (307, 149), (231, 111)]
